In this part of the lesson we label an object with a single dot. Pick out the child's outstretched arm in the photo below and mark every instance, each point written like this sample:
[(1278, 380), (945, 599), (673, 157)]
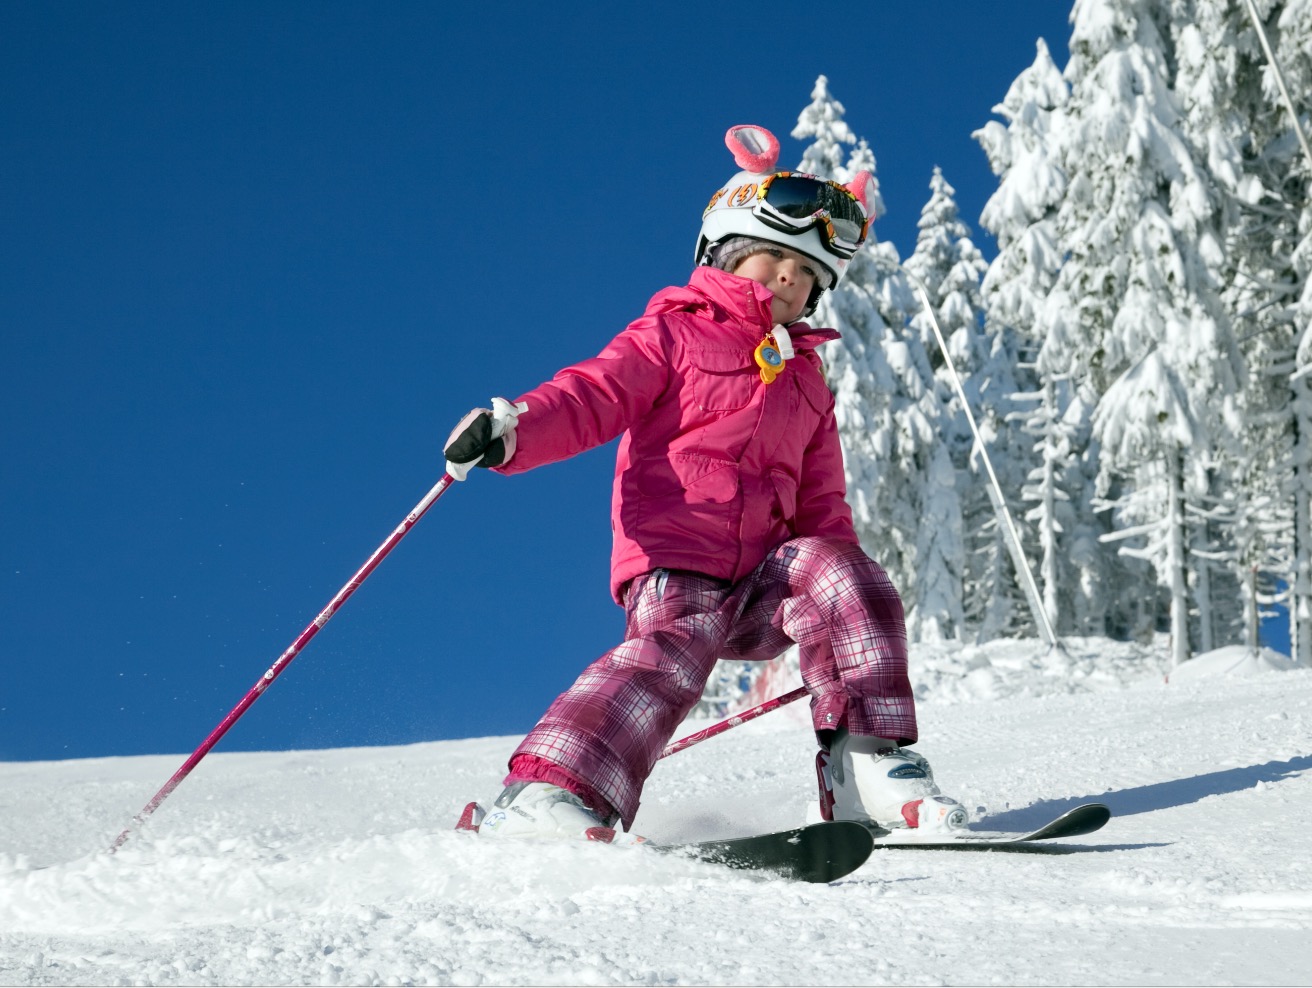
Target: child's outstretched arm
[(584, 405), (592, 402)]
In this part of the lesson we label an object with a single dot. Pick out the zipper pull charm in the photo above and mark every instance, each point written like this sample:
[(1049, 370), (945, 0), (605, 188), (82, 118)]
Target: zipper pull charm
[(769, 359), (771, 353)]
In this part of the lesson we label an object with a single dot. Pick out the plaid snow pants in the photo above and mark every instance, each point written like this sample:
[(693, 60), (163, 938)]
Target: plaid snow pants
[(608, 729)]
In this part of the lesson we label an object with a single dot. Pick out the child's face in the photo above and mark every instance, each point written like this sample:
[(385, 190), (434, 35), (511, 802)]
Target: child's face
[(788, 274)]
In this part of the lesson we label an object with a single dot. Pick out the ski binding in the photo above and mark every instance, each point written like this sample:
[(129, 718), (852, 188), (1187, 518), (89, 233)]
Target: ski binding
[(1078, 822)]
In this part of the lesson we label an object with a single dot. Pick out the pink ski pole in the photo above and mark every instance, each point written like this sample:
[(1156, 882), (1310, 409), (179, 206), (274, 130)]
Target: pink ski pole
[(734, 721), (285, 659)]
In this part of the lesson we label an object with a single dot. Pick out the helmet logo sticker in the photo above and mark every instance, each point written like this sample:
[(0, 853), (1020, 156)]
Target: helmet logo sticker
[(742, 195)]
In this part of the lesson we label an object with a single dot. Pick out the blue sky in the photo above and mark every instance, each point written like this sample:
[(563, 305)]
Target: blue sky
[(256, 260)]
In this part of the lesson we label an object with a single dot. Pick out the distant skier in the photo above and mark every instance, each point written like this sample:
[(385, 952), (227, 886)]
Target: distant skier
[(732, 538)]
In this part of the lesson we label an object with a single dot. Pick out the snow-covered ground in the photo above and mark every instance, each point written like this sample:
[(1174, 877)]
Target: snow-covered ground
[(340, 867)]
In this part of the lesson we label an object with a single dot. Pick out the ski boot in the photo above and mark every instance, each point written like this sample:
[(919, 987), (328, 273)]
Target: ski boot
[(542, 811), (872, 781)]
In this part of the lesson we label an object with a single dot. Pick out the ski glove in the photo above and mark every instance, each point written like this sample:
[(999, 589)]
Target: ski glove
[(483, 438)]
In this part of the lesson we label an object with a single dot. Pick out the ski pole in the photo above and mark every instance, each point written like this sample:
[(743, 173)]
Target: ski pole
[(734, 721), (1279, 73), (285, 659), (1023, 573)]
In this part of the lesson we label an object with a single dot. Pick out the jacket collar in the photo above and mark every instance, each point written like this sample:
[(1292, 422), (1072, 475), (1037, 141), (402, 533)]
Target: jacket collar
[(742, 299)]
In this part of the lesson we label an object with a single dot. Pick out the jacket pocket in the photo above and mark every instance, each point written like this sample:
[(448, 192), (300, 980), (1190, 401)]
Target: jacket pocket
[(785, 494), (700, 478), (722, 380), (812, 385)]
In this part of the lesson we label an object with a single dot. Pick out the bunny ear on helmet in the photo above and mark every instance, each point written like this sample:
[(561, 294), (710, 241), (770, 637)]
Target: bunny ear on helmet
[(864, 188), (754, 148)]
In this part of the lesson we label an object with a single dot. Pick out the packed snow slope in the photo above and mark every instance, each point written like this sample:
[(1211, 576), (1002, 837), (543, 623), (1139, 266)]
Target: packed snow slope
[(341, 867)]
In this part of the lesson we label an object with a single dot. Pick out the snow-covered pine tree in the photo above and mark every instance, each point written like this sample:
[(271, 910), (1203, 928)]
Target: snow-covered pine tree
[(950, 266), (1235, 115), (1025, 153), (1294, 50), (1217, 83), (1021, 214), (1136, 311), (1253, 546), (1046, 487), (1146, 421), (1289, 26), (822, 122)]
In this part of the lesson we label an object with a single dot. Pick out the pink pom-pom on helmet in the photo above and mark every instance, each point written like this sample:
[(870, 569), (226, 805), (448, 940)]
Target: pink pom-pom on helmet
[(863, 187), (754, 148)]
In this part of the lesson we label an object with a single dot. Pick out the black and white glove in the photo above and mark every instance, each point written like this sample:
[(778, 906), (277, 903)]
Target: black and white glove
[(483, 438)]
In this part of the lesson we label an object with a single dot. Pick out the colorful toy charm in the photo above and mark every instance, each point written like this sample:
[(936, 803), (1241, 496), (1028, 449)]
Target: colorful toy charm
[(769, 359)]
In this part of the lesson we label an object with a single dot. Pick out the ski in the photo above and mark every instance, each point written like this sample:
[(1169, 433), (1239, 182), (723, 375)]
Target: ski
[(820, 853), (1074, 823)]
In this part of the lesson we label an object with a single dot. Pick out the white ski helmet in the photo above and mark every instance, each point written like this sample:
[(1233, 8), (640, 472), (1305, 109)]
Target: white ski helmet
[(823, 220)]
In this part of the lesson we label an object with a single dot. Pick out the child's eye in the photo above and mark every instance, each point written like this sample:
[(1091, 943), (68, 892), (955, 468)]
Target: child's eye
[(774, 252), (809, 270)]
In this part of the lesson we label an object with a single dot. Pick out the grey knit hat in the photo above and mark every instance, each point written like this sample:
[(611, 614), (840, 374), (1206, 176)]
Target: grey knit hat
[(732, 251)]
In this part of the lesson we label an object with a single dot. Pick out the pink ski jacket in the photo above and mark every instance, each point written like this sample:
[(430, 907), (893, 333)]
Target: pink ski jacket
[(715, 467)]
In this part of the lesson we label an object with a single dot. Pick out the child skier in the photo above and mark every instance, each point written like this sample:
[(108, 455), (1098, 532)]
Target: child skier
[(732, 538)]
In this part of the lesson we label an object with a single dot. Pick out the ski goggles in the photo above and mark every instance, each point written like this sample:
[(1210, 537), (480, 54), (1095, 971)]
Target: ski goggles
[(794, 203)]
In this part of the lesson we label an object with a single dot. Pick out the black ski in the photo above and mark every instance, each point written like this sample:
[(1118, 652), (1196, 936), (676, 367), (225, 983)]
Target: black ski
[(822, 852), (1074, 823)]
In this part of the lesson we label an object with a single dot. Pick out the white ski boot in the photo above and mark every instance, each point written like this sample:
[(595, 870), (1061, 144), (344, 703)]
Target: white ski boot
[(537, 810), (871, 780)]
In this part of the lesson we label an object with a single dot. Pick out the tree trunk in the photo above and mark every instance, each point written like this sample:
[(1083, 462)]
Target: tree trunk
[(1048, 567), (1252, 611), (1175, 558), (1300, 583), (1203, 594), (1203, 577)]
